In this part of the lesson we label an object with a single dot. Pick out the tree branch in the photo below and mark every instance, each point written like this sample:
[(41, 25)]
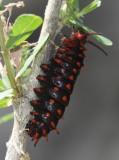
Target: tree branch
[(17, 143)]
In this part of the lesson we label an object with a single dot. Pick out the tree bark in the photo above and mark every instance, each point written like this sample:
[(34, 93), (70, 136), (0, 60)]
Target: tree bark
[(17, 142)]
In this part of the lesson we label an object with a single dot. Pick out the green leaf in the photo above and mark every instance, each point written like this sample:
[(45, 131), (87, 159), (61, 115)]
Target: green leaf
[(70, 1), (93, 5), (22, 29), (5, 102), (25, 157), (6, 93), (5, 80), (103, 40), (100, 38), (72, 9), (4, 76), (69, 11), (76, 5), (26, 73), (6, 118), (2, 86), (26, 52), (31, 58), (1, 5)]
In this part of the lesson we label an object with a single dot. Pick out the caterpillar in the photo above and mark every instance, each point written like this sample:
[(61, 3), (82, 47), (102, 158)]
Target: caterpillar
[(57, 85)]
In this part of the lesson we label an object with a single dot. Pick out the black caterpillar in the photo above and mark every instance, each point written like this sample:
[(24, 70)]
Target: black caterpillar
[(57, 85)]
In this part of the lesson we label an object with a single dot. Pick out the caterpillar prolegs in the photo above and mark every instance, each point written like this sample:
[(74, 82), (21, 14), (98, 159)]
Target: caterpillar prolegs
[(57, 85)]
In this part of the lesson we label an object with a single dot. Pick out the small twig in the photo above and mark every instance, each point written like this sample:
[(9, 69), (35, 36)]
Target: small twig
[(7, 62), (11, 5)]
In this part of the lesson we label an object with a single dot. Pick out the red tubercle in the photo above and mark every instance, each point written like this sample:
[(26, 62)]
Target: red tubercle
[(33, 121), (36, 136), (63, 69), (71, 77), (64, 98), (78, 64), (36, 141), (58, 61), (56, 130), (79, 36), (80, 55), (42, 124), (59, 111), (47, 114), (56, 88), (34, 113), (46, 137), (41, 78), (59, 77), (52, 101), (34, 102), (52, 124), (62, 118), (70, 58), (45, 66), (44, 131), (74, 70), (82, 48), (68, 86), (38, 89)]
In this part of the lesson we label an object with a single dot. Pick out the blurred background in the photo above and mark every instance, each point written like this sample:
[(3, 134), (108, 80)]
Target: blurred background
[(90, 130)]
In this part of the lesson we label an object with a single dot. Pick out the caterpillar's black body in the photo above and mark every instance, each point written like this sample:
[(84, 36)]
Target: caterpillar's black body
[(57, 85)]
